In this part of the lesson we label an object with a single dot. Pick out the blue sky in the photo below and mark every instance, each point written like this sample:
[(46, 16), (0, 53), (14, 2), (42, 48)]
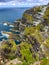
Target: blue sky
[(22, 3)]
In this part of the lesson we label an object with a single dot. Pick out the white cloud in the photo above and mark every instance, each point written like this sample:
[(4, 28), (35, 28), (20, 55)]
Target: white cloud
[(41, 0), (29, 0), (44, 1), (11, 3), (22, 3), (27, 4)]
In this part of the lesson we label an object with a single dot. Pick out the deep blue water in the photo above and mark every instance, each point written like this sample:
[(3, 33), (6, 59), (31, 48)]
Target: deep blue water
[(9, 15)]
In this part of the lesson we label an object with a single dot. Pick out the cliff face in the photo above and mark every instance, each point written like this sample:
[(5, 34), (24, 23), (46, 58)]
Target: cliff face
[(37, 15), (34, 38)]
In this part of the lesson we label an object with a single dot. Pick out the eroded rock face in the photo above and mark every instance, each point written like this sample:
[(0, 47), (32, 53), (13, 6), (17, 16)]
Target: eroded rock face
[(6, 51), (33, 37)]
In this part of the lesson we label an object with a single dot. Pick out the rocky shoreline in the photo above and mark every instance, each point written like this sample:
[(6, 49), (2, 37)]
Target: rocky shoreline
[(32, 31)]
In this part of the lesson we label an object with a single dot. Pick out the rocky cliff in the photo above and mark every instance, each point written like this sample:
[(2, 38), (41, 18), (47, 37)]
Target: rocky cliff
[(33, 35)]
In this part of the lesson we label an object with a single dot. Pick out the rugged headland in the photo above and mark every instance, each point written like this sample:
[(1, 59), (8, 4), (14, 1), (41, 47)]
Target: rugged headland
[(28, 41)]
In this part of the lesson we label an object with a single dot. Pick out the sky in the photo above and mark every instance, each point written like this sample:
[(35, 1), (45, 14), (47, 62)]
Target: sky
[(22, 3)]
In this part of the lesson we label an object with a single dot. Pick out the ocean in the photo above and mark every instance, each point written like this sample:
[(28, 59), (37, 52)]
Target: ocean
[(10, 15)]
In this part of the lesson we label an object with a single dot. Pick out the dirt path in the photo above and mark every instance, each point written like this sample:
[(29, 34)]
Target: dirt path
[(13, 62)]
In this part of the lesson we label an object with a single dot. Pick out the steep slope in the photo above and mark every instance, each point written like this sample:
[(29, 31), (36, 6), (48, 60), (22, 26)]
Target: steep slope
[(36, 15), (33, 35)]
